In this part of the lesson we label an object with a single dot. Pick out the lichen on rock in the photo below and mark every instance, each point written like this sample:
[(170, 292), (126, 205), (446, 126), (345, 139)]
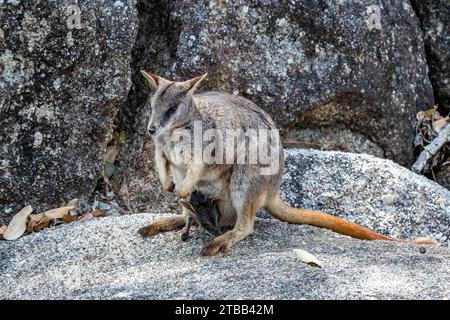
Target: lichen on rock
[(60, 90)]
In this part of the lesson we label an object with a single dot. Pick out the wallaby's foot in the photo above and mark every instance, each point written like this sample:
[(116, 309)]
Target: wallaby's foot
[(149, 231), (167, 224), (214, 247), (184, 237)]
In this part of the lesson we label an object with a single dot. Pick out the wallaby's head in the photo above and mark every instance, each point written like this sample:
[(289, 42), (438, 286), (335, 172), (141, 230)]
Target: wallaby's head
[(204, 210), (171, 104)]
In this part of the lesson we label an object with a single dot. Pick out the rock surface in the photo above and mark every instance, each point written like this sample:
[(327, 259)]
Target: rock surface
[(325, 70), (106, 259), (61, 85), (434, 16)]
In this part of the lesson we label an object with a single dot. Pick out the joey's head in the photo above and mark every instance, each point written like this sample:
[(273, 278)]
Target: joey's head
[(171, 104), (205, 211)]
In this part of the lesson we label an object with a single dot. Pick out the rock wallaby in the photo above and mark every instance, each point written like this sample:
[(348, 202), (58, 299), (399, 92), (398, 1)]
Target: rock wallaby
[(241, 186)]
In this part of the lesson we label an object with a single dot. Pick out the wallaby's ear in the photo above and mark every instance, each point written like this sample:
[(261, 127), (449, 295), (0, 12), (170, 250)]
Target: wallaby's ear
[(187, 205), (192, 85), (153, 79)]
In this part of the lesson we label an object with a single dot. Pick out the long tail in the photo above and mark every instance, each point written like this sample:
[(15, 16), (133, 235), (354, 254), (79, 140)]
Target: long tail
[(281, 211)]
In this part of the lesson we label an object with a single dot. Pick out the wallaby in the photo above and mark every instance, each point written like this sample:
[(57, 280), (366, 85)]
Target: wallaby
[(202, 210), (241, 186)]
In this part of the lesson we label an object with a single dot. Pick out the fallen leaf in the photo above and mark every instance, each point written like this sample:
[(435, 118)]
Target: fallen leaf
[(307, 258), (90, 215), (123, 137), (86, 216), (33, 220), (58, 213), (439, 124), (18, 224), (37, 222), (99, 213), (2, 231), (110, 168), (72, 203), (111, 153), (68, 218), (429, 114), (41, 225)]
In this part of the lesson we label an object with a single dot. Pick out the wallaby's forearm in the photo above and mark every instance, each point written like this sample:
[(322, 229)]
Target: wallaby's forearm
[(193, 175), (163, 169)]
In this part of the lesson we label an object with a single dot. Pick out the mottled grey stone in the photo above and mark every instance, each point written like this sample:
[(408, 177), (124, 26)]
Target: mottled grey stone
[(60, 89), (105, 258)]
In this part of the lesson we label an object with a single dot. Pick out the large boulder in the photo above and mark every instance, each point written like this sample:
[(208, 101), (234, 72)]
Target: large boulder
[(434, 16), (65, 72), (107, 259), (341, 75)]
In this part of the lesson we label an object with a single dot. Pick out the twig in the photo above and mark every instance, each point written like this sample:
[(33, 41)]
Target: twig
[(431, 149)]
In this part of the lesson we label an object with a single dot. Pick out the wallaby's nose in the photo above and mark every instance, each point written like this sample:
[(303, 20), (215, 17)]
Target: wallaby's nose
[(151, 130)]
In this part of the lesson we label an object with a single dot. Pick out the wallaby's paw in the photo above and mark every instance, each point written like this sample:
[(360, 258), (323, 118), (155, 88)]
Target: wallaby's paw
[(184, 193), (149, 231), (168, 186), (214, 247)]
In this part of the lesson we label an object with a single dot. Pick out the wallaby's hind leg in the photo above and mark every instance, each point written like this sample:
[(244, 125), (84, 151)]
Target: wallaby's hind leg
[(246, 212), (166, 224)]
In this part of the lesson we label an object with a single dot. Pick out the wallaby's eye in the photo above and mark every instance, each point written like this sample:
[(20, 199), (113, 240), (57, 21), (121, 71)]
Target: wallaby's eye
[(171, 111)]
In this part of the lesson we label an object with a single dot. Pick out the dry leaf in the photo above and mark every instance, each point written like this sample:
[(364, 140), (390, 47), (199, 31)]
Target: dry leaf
[(2, 231), (111, 153), (99, 213), (86, 216), (41, 225), (18, 224), (58, 213), (37, 222), (90, 215), (123, 137), (307, 258), (72, 203), (33, 220), (431, 113), (68, 218), (439, 124)]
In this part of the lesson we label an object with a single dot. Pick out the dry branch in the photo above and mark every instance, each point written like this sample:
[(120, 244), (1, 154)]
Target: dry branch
[(431, 149)]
